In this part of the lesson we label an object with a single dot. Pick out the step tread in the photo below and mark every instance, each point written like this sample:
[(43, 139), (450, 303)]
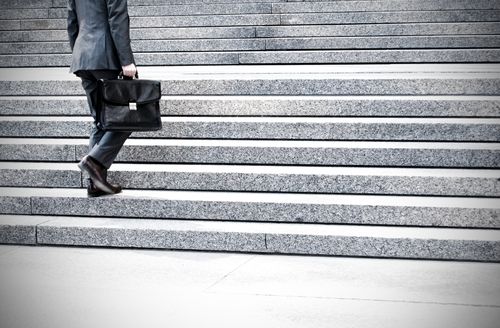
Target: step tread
[(257, 227), (267, 169), (259, 197)]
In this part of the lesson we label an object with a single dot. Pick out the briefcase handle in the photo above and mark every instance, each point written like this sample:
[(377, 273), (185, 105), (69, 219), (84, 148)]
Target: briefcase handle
[(123, 77)]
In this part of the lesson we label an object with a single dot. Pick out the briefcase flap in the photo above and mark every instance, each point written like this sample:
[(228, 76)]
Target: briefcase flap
[(123, 92)]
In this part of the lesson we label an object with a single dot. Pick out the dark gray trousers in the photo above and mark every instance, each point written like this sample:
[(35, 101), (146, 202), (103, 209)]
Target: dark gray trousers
[(104, 146)]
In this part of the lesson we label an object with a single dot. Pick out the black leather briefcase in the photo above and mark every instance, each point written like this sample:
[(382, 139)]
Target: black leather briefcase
[(128, 105)]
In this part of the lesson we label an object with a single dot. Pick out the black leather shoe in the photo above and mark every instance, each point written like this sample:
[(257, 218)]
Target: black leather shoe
[(93, 191), (97, 173)]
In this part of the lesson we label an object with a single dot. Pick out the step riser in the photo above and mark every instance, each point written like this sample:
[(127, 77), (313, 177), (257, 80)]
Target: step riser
[(277, 19), (327, 184), (375, 30), (259, 106), (340, 6), (277, 130), (267, 212), (269, 243), (273, 44), (57, 233), (474, 158), (266, 8), (410, 86), (277, 57)]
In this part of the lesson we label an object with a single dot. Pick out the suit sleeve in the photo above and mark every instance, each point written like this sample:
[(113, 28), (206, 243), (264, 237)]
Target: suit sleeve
[(72, 23), (119, 23)]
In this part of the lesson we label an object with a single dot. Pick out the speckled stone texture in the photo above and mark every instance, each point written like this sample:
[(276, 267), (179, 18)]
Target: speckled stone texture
[(37, 152), (370, 56), (339, 6), (266, 212), (25, 3), (389, 17), (476, 85), (17, 234), (23, 13), (214, 154), (43, 106), (377, 30), (329, 106), (388, 42), (40, 178), (149, 234), (313, 183), (288, 130), (14, 205), (276, 106), (305, 156), (476, 250)]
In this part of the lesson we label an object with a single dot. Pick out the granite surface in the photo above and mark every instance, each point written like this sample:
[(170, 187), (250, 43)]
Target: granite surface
[(187, 58), (9, 25), (397, 84), (198, 45), (340, 6), (40, 178), (59, 106), (45, 128), (17, 234), (308, 156), (372, 56), (14, 205), (10, 4), (299, 130), (319, 106), (205, 20), (149, 234), (475, 250), (385, 42), (390, 17), (277, 106), (378, 29), (193, 33), (304, 183), (137, 207), (37, 152), (23, 13)]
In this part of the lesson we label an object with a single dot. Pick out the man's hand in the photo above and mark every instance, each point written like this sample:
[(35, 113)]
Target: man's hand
[(129, 70)]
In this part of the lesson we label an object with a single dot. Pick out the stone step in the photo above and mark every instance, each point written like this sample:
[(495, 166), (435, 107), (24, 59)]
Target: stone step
[(283, 128), (355, 153), (293, 106), (291, 179), (206, 45), (276, 19), (140, 34), (408, 29), (429, 16), (428, 211), (394, 5), (267, 8), (392, 242), (278, 80), (235, 32), (278, 57)]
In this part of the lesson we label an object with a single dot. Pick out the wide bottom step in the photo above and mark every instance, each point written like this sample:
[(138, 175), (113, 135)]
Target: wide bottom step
[(311, 239)]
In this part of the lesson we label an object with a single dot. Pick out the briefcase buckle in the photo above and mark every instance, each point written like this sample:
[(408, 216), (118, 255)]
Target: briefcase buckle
[(132, 106)]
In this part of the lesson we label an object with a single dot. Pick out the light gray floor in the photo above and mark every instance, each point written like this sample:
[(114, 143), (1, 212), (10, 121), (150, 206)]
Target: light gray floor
[(81, 287)]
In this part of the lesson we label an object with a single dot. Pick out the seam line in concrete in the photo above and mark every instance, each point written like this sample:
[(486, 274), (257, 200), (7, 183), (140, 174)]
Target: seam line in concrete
[(373, 300), (228, 274)]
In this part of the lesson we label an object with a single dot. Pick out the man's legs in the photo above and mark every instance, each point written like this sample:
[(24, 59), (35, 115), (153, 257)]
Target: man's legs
[(104, 146)]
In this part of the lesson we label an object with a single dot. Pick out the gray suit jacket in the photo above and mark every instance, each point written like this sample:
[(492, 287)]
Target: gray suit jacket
[(99, 34)]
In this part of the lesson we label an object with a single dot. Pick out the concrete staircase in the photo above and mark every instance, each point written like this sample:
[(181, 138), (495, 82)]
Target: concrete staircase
[(386, 144)]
